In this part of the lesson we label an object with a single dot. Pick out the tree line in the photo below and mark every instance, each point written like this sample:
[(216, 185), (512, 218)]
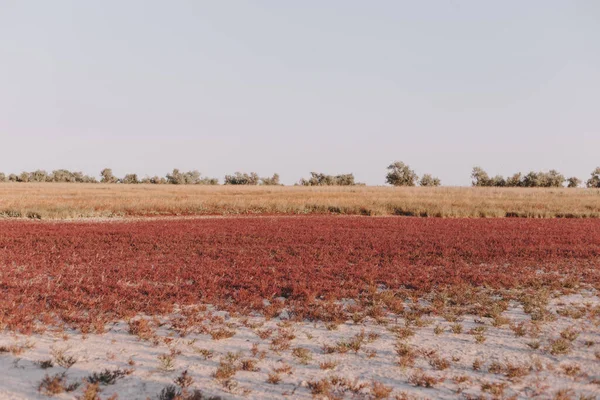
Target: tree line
[(548, 179), (399, 174)]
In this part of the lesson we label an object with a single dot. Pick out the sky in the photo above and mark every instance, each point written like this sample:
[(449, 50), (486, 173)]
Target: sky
[(298, 86)]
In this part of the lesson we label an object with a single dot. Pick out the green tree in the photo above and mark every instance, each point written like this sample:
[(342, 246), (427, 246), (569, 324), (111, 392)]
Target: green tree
[(429, 180), (130, 179), (480, 177), (401, 175), (573, 182), (107, 176), (594, 181), (272, 181), (242, 179)]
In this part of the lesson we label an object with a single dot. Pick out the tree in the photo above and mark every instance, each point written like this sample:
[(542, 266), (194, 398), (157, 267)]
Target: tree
[(2, 177), (552, 178), (320, 179), (154, 180), (428, 180), (514, 181), (38, 176), (480, 177), (130, 179), (497, 181), (23, 177), (185, 178), (176, 177), (573, 182), (401, 175), (107, 176), (242, 179), (272, 181), (594, 181)]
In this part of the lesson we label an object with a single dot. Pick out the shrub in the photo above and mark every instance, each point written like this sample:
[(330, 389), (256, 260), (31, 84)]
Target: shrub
[(543, 179), (186, 178), (420, 378), (106, 377), (573, 182), (13, 178), (401, 175), (156, 180), (107, 176), (176, 178), (38, 176), (480, 177), (56, 384), (3, 177), (551, 178), (130, 179), (320, 179), (272, 181), (63, 175), (497, 181), (24, 177), (515, 180), (242, 179), (594, 181), (428, 180)]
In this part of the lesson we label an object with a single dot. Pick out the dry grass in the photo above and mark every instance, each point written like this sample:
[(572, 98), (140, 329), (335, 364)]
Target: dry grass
[(64, 201)]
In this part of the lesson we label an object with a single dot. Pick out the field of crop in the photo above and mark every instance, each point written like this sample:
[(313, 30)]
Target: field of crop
[(71, 201), (300, 307)]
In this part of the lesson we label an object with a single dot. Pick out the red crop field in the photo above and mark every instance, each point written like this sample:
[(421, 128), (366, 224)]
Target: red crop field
[(87, 274)]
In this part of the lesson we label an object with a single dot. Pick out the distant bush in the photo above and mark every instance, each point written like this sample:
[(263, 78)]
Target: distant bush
[(515, 180), (107, 176), (594, 181), (3, 177), (242, 179), (497, 181), (480, 177), (156, 180), (401, 175), (573, 182), (551, 178), (24, 177), (543, 179), (428, 180), (39, 176), (63, 175), (188, 178), (272, 181), (130, 179), (319, 179)]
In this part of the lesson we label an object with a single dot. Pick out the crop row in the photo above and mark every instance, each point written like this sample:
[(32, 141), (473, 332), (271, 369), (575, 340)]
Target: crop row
[(86, 274)]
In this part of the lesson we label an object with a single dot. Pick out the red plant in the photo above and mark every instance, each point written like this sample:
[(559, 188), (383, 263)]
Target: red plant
[(86, 274)]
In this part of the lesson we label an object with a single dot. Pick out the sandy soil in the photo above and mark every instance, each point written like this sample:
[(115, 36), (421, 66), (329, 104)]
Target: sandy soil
[(364, 356)]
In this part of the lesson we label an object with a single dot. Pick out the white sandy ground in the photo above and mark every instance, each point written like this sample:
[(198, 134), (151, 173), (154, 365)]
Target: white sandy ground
[(375, 361)]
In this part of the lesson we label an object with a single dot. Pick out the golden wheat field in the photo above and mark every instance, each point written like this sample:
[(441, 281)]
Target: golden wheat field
[(69, 201)]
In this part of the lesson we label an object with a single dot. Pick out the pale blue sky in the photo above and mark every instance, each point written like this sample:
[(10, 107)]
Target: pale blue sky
[(300, 86)]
